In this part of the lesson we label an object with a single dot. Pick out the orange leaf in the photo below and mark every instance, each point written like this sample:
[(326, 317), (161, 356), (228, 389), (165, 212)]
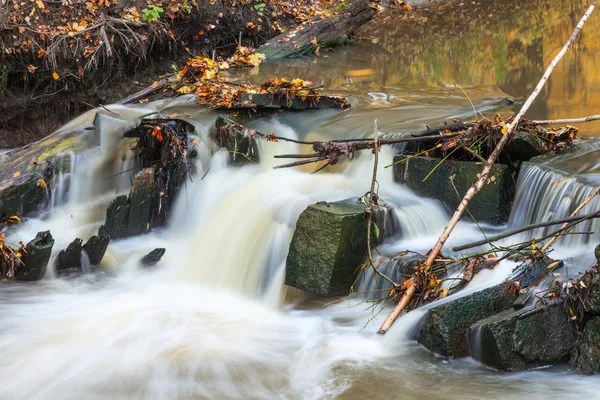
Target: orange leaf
[(55, 76)]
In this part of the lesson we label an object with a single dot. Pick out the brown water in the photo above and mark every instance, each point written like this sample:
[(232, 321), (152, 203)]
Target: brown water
[(490, 49)]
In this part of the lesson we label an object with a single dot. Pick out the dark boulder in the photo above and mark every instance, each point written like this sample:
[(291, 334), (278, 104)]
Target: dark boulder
[(117, 216), (444, 328), (140, 202), (524, 146), (586, 356), (68, 261), (153, 257), (35, 258), (22, 195), (524, 339), (95, 248)]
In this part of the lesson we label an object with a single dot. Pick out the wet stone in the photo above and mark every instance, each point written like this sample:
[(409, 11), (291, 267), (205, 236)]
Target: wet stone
[(95, 248), (444, 328), (68, 261), (153, 257), (140, 202), (491, 204), (586, 356), (524, 339), (22, 196), (117, 216), (329, 245), (35, 258)]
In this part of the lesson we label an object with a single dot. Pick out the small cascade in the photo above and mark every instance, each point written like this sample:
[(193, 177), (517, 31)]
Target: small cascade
[(545, 194)]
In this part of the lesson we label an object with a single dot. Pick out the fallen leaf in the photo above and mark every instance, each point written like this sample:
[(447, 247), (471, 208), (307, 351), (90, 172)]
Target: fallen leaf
[(55, 76)]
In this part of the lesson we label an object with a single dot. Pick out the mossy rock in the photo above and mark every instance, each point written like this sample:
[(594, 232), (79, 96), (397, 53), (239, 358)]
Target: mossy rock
[(140, 202), (35, 258), (444, 328), (442, 180), (25, 195), (586, 356), (117, 216), (525, 339), (329, 245)]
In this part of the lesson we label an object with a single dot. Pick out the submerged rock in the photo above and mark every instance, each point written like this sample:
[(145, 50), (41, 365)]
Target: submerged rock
[(95, 248), (444, 328), (68, 261), (526, 338), (153, 257), (35, 258), (586, 356), (492, 203), (329, 245)]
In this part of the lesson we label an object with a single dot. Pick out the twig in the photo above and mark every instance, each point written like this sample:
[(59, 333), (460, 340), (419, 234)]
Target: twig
[(372, 202), (484, 175), (565, 121)]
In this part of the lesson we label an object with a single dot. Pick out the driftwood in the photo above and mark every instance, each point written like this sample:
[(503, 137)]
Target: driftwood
[(433, 254), (305, 40)]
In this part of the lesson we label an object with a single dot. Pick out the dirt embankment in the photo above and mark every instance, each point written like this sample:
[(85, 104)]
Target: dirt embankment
[(61, 57)]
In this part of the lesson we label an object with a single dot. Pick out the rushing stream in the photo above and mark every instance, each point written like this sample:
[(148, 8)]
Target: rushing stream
[(214, 319)]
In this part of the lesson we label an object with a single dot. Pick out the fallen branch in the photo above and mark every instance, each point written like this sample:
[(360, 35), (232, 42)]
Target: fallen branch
[(514, 232), (433, 254)]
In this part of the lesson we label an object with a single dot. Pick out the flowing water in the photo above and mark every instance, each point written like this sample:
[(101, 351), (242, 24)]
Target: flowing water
[(214, 319)]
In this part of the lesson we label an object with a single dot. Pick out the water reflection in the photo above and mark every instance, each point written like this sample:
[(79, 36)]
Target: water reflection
[(489, 49)]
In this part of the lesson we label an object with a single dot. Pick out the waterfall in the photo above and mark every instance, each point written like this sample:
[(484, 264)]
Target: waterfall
[(545, 194)]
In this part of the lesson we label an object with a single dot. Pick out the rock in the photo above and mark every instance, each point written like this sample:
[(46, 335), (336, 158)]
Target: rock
[(492, 203), (329, 245), (524, 146), (140, 202), (22, 196), (153, 257), (35, 258), (241, 145), (523, 339), (68, 261), (117, 217), (597, 254), (95, 248), (444, 328), (586, 356)]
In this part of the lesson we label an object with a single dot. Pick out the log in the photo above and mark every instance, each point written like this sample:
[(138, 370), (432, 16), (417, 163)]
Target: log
[(305, 40)]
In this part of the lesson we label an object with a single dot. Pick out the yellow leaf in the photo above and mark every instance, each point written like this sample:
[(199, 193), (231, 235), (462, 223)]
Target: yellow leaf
[(444, 293), (41, 183), (13, 219), (582, 284), (504, 129), (534, 248), (16, 174), (55, 76), (41, 53), (194, 142), (40, 4), (553, 265), (185, 90)]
